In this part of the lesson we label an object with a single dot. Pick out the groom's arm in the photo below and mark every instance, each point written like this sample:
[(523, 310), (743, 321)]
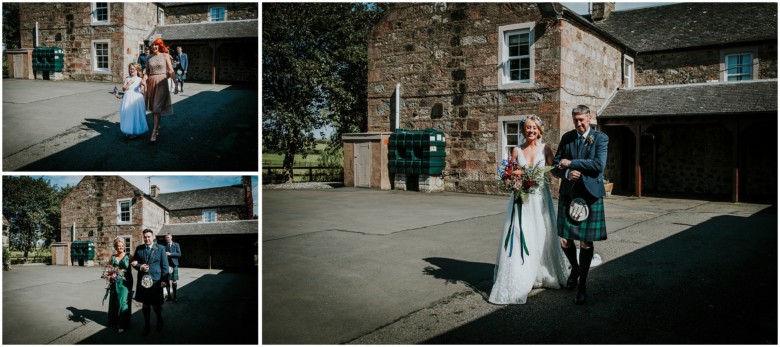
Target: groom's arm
[(592, 167)]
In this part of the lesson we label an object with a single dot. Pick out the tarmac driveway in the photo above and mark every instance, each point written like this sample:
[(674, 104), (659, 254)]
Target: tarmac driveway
[(362, 266), (74, 126), (63, 305)]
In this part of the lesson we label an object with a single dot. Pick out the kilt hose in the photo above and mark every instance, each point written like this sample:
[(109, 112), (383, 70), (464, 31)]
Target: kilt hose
[(592, 229)]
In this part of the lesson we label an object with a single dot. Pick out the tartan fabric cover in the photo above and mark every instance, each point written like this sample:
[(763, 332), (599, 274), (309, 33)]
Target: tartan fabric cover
[(592, 229)]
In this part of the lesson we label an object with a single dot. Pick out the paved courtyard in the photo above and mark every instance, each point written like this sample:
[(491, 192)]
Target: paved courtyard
[(74, 126), (362, 266), (63, 305)]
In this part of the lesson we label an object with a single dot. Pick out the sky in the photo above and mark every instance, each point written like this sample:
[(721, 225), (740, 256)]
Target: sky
[(582, 7), (169, 184)]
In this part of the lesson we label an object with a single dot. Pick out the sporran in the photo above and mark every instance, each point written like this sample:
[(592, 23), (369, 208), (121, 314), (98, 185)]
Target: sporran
[(146, 281), (578, 210)]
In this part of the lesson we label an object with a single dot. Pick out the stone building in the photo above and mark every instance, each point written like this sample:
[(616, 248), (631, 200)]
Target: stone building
[(220, 39), (473, 70), (100, 39), (101, 208)]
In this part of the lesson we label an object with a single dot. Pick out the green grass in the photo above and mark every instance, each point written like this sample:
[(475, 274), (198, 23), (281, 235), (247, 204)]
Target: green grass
[(273, 159)]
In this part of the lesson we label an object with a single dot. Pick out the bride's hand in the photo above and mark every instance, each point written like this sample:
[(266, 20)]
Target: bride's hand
[(518, 172)]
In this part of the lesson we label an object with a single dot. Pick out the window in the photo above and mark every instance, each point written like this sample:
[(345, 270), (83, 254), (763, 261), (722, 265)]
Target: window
[(510, 135), (124, 215), (99, 12), (100, 56), (209, 216), (516, 55), (128, 243), (739, 67), (739, 64), (628, 72), (217, 14)]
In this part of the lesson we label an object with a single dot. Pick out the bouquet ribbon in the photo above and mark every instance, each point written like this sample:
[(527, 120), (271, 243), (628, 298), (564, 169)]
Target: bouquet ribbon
[(510, 240)]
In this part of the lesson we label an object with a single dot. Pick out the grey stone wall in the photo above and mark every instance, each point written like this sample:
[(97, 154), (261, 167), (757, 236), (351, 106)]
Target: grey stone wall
[(445, 56), (200, 13), (196, 215), (695, 66), (701, 169)]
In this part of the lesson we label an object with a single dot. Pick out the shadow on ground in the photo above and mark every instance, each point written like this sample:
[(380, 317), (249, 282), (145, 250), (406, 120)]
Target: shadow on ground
[(715, 283), (214, 309), (210, 131)]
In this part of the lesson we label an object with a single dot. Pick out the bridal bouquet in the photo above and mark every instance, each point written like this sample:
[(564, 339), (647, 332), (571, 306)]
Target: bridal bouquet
[(527, 181), (111, 274)]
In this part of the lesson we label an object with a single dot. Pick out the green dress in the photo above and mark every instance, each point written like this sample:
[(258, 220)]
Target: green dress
[(120, 299)]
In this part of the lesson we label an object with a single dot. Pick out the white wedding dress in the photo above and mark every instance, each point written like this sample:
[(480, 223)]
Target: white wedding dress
[(545, 265)]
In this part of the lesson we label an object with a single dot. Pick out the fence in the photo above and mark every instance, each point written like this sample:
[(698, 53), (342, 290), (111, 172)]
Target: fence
[(273, 174)]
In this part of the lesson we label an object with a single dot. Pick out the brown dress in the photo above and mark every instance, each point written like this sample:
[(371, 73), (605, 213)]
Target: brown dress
[(158, 95)]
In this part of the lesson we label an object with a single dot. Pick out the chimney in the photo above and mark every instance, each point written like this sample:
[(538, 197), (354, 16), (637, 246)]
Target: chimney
[(155, 191), (602, 10)]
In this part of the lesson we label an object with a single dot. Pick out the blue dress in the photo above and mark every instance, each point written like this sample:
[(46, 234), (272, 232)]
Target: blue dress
[(132, 110)]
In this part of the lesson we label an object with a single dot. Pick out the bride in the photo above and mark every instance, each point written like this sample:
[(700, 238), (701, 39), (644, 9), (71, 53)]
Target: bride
[(544, 266)]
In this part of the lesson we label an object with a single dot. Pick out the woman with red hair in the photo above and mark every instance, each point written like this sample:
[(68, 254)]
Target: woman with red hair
[(158, 94)]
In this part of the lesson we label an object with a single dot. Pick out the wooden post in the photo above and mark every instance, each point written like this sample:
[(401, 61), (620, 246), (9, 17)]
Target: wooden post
[(734, 128), (637, 130)]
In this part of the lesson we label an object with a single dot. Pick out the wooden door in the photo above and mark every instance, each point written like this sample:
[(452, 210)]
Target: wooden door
[(363, 164)]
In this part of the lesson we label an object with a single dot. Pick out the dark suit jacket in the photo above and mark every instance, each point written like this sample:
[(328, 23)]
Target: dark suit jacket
[(157, 260), (175, 250), (590, 161)]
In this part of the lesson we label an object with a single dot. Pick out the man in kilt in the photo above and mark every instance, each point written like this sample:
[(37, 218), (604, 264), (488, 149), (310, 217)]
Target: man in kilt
[(173, 251), (150, 259), (579, 162)]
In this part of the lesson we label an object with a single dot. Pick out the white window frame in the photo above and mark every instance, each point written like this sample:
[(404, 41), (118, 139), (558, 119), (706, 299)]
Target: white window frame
[(502, 135), (160, 16), (628, 72), (129, 211), (503, 55), (95, 67), (209, 211), (726, 53), (128, 243), (94, 18), (224, 14)]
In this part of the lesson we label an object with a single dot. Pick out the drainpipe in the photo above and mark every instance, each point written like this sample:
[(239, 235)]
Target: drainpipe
[(35, 37), (397, 105)]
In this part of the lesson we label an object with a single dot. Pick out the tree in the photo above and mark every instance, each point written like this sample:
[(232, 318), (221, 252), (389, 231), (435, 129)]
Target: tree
[(32, 207), (314, 73)]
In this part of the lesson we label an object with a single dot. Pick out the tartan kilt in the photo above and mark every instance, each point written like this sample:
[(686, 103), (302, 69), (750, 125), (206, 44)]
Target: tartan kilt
[(174, 272), (592, 229)]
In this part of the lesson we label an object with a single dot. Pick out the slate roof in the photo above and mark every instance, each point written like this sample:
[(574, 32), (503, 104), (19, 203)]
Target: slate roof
[(692, 25), (694, 99), (203, 198), (207, 30), (215, 228)]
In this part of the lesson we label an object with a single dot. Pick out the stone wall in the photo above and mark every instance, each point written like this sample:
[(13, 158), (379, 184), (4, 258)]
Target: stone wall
[(445, 57), (92, 207), (236, 62), (695, 66), (694, 159), (140, 19), (69, 26), (196, 215), (200, 13)]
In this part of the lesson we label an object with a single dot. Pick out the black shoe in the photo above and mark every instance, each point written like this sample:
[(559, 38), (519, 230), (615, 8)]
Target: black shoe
[(175, 300), (146, 331), (572, 281), (580, 298), (159, 326), (168, 297)]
